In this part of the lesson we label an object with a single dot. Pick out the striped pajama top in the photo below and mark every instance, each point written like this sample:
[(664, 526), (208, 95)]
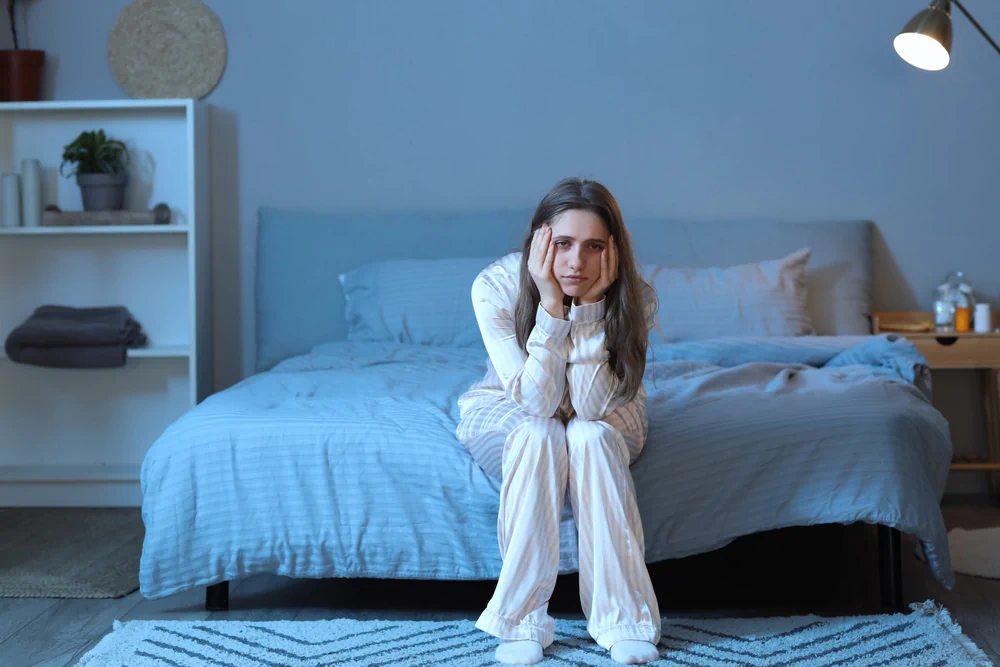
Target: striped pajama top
[(565, 368)]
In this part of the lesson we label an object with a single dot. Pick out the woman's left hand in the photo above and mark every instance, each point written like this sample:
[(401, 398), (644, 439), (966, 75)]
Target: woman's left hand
[(609, 274)]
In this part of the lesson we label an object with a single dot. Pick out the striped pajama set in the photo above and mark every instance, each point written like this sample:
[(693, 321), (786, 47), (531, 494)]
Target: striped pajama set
[(542, 422)]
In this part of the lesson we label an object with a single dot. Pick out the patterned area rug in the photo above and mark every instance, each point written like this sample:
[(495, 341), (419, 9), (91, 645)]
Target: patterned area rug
[(925, 636), (70, 552)]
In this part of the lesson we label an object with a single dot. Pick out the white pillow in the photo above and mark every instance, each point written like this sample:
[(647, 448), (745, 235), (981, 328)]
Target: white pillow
[(767, 298)]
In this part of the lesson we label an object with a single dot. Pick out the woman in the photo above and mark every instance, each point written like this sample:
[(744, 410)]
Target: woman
[(566, 323)]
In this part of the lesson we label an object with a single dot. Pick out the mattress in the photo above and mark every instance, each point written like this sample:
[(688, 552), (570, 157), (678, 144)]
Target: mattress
[(343, 462)]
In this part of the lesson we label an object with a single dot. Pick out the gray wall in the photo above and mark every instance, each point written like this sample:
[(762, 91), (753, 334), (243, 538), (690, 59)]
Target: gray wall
[(707, 109)]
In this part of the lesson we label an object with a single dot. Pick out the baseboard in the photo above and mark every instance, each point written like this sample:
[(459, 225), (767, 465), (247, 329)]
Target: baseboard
[(123, 494), (971, 499), (70, 486)]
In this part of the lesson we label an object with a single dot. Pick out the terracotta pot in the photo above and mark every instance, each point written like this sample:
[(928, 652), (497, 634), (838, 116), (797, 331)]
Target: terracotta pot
[(21, 75)]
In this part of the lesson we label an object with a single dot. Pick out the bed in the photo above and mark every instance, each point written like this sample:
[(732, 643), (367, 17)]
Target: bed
[(337, 457)]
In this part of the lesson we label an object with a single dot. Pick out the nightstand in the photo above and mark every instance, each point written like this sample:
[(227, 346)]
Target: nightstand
[(970, 351)]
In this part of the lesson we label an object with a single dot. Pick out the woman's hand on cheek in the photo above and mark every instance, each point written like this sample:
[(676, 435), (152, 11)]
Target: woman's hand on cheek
[(609, 274), (541, 257)]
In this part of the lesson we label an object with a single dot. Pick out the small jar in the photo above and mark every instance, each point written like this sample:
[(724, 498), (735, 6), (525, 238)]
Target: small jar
[(944, 315), (963, 313), (944, 310)]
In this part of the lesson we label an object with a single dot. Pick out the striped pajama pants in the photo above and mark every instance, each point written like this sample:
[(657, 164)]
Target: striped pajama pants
[(537, 459)]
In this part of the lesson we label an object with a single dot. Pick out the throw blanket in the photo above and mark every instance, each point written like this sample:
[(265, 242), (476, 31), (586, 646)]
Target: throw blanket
[(63, 336), (774, 432), (887, 356)]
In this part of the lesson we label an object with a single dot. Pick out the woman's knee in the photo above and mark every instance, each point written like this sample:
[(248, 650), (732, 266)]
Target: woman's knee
[(595, 437), (534, 442), (539, 433)]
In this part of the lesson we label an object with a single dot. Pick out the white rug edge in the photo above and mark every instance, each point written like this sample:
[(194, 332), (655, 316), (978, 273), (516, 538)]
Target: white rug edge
[(944, 619), (939, 613)]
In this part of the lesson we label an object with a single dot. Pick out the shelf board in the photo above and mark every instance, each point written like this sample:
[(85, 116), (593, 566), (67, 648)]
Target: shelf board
[(160, 351), (75, 105), (882, 322), (94, 229), (942, 334), (69, 473), (152, 352), (976, 466)]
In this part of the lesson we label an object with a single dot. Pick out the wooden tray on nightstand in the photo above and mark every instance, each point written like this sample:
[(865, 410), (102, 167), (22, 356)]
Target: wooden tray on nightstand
[(970, 351), (942, 350)]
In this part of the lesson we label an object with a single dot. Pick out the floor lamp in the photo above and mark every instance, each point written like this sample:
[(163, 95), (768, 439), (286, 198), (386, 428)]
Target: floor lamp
[(925, 41)]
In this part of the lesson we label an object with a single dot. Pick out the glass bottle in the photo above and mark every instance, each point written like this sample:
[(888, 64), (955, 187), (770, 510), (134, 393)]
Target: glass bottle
[(958, 290), (944, 311)]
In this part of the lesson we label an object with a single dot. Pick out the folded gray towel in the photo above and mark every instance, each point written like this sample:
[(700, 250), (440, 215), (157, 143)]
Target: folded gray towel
[(63, 336), (71, 356)]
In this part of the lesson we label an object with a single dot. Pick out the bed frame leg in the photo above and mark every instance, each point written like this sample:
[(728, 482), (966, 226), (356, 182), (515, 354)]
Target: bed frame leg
[(890, 566), (217, 597)]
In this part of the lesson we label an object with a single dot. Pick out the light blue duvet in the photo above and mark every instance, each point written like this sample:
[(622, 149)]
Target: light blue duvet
[(344, 463)]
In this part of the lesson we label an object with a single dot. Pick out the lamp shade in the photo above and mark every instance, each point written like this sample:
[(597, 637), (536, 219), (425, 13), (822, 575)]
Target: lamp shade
[(925, 40)]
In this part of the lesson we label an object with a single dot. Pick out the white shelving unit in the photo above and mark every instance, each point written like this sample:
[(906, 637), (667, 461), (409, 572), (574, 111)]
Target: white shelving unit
[(77, 437)]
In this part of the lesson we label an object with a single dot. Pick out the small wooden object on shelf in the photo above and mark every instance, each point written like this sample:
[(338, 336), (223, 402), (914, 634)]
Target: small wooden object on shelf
[(159, 215), (943, 349), (957, 350)]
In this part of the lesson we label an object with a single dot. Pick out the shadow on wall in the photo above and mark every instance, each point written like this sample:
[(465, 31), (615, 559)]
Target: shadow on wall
[(49, 74), (890, 289), (226, 244)]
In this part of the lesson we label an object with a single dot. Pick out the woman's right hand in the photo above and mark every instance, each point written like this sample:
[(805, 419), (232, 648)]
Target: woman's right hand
[(540, 259)]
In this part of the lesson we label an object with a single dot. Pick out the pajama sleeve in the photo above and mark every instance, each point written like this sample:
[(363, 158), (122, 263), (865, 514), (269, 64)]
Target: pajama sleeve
[(535, 380), (591, 380)]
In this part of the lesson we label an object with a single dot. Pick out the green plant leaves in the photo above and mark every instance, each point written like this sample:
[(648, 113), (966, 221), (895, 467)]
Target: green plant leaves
[(92, 152)]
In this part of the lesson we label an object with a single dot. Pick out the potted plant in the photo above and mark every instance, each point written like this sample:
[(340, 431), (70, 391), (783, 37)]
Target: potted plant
[(20, 69), (100, 168)]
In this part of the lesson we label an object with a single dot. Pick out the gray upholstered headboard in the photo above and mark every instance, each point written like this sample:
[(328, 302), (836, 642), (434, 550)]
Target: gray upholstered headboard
[(299, 254)]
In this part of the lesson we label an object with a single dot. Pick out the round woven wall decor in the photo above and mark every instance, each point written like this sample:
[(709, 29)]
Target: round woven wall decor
[(167, 48)]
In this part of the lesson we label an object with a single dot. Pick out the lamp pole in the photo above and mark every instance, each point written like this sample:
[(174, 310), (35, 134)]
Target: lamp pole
[(976, 23)]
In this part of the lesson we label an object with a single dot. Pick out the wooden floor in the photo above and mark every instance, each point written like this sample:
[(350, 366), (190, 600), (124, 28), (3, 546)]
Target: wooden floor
[(826, 570)]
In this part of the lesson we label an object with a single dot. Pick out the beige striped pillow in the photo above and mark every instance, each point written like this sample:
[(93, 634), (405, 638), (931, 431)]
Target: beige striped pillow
[(767, 298)]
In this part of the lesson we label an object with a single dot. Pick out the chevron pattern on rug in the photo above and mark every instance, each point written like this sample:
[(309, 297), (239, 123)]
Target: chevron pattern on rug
[(925, 636)]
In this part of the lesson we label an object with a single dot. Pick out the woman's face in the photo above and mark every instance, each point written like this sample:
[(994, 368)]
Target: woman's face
[(579, 238)]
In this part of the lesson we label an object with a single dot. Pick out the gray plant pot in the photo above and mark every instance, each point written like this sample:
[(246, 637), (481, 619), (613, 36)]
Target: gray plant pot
[(102, 192)]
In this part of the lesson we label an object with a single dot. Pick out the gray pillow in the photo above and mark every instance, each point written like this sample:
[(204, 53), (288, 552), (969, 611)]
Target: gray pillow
[(419, 301), (767, 298)]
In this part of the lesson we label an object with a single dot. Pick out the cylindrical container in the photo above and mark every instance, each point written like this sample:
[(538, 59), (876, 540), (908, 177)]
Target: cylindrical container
[(963, 311), (963, 319), (31, 193), (10, 200), (984, 318)]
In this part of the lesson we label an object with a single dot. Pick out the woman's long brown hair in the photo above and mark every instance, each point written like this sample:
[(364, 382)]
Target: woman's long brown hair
[(626, 334)]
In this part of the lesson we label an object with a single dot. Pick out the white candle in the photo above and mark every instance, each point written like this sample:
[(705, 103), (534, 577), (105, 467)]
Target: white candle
[(983, 318), (10, 200), (31, 192)]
